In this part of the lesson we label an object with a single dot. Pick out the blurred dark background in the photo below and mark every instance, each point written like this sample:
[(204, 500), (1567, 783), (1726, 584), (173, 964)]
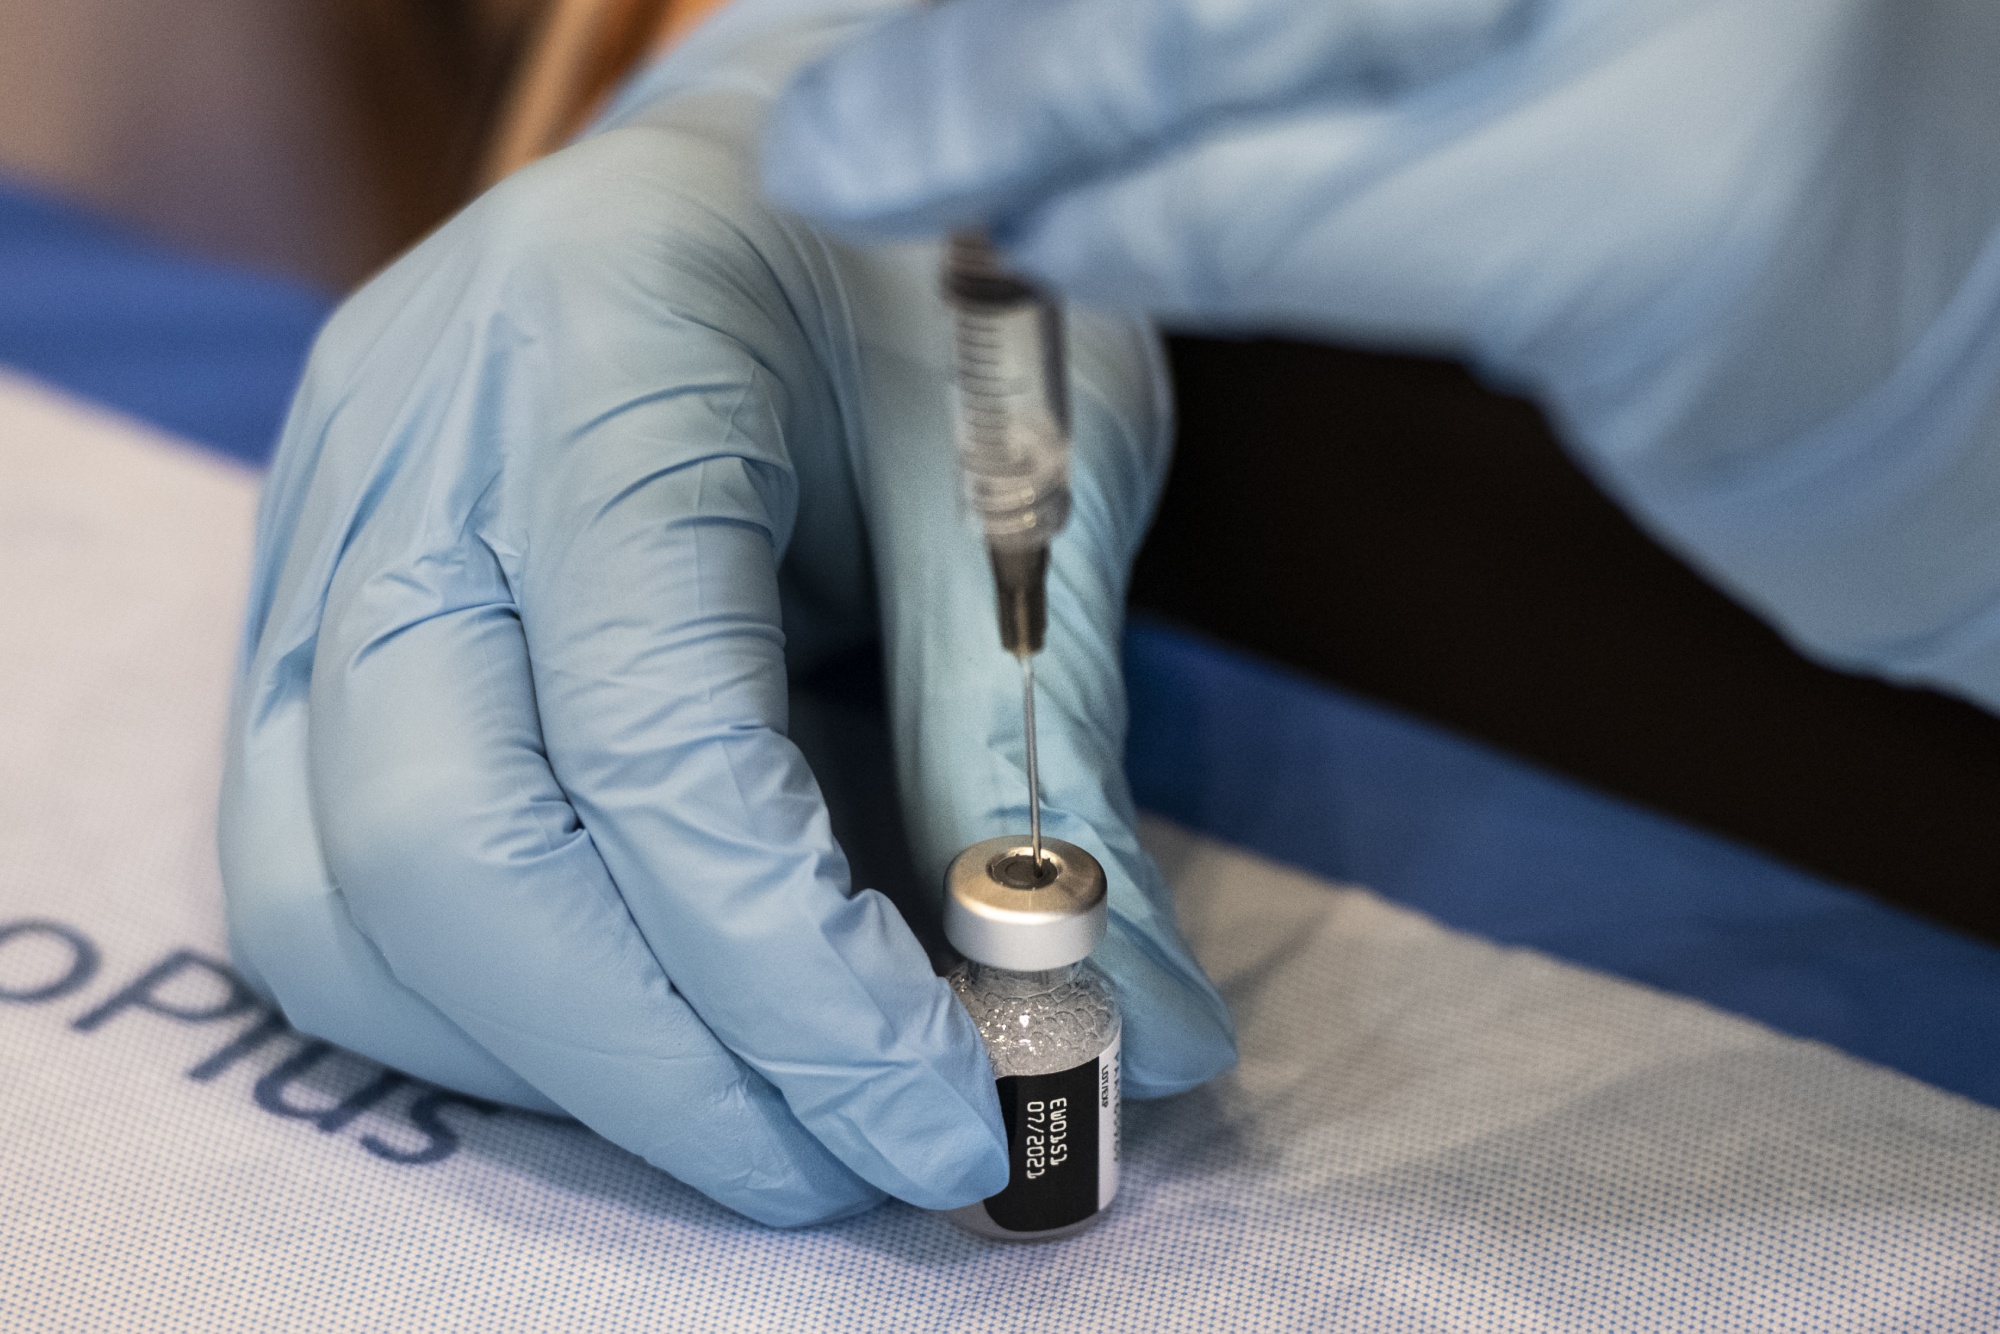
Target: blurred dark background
[(310, 137), (1392, 526), (1400, 530)]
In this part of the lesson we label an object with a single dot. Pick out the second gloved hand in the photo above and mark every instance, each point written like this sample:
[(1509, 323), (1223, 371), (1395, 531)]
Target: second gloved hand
[(510, 802), (1746, 252)]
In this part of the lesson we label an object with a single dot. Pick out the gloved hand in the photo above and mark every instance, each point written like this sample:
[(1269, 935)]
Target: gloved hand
[(510, 802), (1744, 251)]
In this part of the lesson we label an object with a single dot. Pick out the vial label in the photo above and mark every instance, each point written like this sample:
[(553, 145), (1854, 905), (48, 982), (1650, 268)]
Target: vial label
[(1062, 1144)]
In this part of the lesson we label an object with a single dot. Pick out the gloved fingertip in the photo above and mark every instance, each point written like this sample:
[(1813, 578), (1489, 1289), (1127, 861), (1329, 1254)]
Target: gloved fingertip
[(986, 1176), (1177, 1042), (1188, 1060), (972, 1167), (1178, 1031)]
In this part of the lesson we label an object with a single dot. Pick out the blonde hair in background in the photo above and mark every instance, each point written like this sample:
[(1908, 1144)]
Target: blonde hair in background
[(581, 50)]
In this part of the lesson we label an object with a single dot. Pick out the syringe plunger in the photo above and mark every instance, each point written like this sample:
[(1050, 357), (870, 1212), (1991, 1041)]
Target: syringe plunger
[(1013, 401)]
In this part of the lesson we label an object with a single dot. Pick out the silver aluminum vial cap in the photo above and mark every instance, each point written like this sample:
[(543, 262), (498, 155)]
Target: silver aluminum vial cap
[(998, 912)]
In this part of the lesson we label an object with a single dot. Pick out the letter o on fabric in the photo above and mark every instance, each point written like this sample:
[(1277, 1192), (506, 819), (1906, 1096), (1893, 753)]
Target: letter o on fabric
[(23, 982)]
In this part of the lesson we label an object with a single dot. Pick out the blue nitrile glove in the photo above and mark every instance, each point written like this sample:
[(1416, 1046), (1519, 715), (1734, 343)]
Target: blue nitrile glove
[(510, 802), (1745, 251)]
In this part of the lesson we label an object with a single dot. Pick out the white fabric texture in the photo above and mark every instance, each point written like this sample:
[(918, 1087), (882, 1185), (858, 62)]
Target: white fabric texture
[(1427, 1132)]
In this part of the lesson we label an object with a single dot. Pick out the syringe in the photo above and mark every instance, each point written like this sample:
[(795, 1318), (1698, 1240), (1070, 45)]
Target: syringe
[(1011, 378)]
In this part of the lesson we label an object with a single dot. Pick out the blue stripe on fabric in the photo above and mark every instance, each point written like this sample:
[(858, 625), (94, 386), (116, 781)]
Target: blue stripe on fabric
[(1234, 748), (1306, 774), (207, 351)]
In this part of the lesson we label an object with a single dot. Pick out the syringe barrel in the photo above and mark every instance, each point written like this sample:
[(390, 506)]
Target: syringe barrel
[(1012, 399)]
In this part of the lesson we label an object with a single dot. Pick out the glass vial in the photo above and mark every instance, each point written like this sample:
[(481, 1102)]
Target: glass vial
[(1050, 1026)]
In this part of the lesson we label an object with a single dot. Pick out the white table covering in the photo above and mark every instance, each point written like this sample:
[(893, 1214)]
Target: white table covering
[(1427, 1132)]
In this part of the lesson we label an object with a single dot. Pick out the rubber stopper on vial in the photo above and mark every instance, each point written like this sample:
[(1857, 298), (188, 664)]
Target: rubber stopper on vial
[(1003, 910)]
